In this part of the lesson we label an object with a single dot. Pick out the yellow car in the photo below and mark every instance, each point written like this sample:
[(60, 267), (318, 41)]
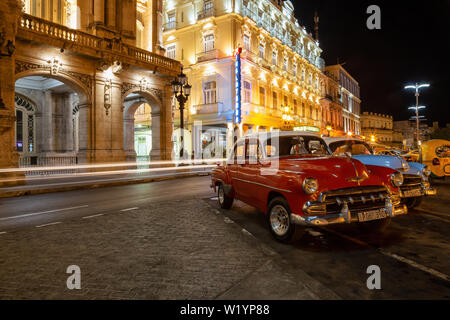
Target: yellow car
[(412, 156), (436, 155)]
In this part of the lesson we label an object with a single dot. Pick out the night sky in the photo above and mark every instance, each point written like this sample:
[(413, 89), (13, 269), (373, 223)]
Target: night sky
[(412, 45)]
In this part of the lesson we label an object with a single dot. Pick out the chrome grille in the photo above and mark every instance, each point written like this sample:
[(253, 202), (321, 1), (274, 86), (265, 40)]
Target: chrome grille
[(357, 199), (411, 182)]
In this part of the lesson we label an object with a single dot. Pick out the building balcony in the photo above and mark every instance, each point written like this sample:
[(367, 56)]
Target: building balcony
[(208, 55), (211, 108), (210, 12), (250, 14), (35, 29), (170, 26)]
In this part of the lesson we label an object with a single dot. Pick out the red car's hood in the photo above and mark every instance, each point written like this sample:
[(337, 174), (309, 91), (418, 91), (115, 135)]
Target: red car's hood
[(331, 172)]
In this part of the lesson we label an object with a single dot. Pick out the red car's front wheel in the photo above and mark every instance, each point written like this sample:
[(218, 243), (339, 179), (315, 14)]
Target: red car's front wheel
[(279, 217)]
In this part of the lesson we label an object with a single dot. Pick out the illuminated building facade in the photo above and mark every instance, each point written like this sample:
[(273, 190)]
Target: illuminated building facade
[(281, 81), (345, 103), (378, 127), (73, 74)]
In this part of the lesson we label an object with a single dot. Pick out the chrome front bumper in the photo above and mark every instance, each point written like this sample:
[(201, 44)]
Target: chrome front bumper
[(428, 189), (345, 216)]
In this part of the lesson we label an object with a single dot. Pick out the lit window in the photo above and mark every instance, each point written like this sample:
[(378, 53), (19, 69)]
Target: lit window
[(262, 50), (209, 42), (171, 51), (247, 92), (275, 100), (262, 96), (246, 42), (209, 92), (274, 57), (171, 21)]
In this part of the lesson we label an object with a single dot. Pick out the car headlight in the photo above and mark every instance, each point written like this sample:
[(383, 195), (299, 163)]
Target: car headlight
[(310, 185), (397, 179), (426, 171)]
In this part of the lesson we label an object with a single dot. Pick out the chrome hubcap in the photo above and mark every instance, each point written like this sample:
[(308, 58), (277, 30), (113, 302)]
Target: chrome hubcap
[(221, 195), (279, 220)]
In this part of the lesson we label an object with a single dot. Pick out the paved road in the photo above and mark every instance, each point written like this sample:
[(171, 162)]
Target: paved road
[(36, 210), (414, 255)]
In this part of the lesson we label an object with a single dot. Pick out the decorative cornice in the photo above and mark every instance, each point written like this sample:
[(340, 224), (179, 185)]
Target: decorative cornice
[(85, 79), (127, 87)]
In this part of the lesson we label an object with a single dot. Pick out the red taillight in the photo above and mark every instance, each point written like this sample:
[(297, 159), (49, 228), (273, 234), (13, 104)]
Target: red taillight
[(436, 162)]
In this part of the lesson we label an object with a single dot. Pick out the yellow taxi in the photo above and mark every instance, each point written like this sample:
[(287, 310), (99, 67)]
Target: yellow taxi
[(436, 155)]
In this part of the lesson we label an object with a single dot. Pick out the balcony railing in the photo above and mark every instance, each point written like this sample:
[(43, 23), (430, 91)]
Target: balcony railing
[(211, 108), (208, 55), (210, 12), (30, 27), (170, 25)]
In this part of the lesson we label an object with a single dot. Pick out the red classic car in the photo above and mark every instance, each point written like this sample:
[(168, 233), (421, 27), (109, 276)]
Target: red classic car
[(294, 179)]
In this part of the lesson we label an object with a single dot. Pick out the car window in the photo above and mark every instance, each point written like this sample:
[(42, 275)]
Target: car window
[(239, 152), (443, 151), (352, 147), (316, 147), (253, 152), (294, 145)]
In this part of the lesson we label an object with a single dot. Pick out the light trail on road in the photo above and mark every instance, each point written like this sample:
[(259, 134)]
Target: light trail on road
[(105, 173), (42, 212)]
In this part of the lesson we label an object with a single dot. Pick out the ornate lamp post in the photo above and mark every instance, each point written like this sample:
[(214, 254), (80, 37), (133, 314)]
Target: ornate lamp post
[(182, 90), (329, 128)]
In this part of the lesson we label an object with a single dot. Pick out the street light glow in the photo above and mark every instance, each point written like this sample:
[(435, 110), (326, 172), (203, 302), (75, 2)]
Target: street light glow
[(417, 107)]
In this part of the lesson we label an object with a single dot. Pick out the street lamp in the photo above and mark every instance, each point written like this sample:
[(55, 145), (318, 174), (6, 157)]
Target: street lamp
[(329, 128), (417, 87), (182, 90)]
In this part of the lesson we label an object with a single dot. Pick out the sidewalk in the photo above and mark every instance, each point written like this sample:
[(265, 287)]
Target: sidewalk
[(51, 184), (168, 250)]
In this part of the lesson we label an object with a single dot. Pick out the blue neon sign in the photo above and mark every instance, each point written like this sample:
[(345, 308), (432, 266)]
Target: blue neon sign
[(237, 69)]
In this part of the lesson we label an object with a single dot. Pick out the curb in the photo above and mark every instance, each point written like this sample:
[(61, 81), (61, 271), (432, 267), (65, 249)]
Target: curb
[(80, 186)]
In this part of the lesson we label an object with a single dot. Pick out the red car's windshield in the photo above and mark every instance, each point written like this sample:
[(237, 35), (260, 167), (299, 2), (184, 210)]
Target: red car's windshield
[(295, 145)]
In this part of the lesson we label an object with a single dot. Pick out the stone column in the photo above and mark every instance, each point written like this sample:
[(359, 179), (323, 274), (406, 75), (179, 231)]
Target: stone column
[(157, 43), (128, 139), (47, 121), (99, 11), (69, 144), (155, 153), (85, 13), (128, 21), (83, 154), (148, 27), (9, 157), (166, 129), (111, 10)]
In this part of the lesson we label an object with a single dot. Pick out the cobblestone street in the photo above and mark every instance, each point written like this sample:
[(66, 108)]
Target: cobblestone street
[(160, 252), (170, 240)]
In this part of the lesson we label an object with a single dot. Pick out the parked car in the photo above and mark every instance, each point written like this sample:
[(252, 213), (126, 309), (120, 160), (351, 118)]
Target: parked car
[(436, 154), (388, 152), (415, 175), (293, 178), (412, 156)]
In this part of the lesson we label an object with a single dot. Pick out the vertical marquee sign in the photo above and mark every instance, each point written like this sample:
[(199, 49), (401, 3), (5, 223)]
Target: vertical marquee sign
[(237, 66)]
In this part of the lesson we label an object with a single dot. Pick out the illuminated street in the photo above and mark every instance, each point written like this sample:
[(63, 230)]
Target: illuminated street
[(229, 155), (170, 240)]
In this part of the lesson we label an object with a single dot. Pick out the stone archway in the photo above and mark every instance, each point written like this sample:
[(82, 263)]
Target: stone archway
[(132, 101), (56, 130)]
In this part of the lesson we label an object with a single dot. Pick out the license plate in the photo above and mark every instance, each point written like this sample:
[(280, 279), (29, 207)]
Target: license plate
[(412, 193), (371, 215)]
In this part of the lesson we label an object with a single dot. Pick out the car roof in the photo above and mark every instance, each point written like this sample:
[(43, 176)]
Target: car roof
[(329, 140), (273, 134)]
